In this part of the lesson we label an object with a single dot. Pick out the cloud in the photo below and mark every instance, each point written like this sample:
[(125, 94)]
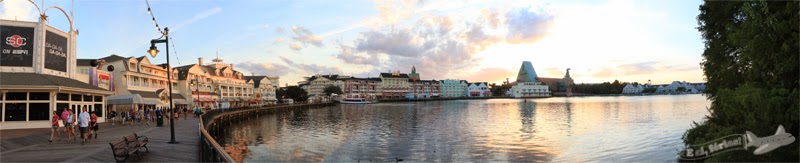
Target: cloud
[(278, 40), (554, 72), (280, 30), (264, 68), (311, 68), (640, 68), (490, 75), (295, 46), (348, 55), (398, 43), (18, 10), (305, 37), (603, 73), (197, 17), (525, 26), (492, 18)]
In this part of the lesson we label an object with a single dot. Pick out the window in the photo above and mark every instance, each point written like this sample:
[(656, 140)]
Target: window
[(39, 111), (98, 110), (39, 96), (62, 97), (87, 98), (15, 111), (60, 107), (76, 97), (10, 96), (98, 98)]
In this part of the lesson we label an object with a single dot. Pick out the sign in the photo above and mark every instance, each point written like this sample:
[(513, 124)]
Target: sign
[(17, 47), (55, 52)]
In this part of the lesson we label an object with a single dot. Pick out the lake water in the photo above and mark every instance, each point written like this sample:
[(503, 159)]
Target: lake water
[(559, 129)]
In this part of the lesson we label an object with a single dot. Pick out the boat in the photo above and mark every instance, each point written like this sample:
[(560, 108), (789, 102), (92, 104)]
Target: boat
[(355, 101)]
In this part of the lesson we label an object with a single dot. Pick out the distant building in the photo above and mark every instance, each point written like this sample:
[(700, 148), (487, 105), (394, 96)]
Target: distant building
[(479, 89), (632, 89), (395, 85), (451, 88), (528, 84)]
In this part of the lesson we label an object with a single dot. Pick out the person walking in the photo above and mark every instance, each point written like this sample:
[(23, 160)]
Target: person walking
[(140, 115), (113, 116), (132, 116), (83, 121), (54, 121), (93, 126), (147, 115), (71, 121), (64, 116), (123, 116)]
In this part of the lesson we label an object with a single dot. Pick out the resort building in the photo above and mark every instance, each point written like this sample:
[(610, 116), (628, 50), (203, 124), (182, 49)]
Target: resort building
[(229, 84), (315, 85), (361, 87), (39, 75), (142, 84), (395, 85), (633, 89), (479, 89), (528, 83), (451, 88), (264, 91), (425, 88)]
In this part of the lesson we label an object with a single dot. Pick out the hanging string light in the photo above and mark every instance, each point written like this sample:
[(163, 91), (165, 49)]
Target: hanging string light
[(175, 51), (149, 11)]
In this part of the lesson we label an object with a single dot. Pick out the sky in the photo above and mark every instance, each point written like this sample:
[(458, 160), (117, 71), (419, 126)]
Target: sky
[(475, 40)]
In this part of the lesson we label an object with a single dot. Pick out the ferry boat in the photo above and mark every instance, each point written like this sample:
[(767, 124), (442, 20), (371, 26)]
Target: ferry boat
[(355, 101)]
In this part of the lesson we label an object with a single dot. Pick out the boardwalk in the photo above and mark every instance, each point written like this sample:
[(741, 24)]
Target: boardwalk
[(31, 145)]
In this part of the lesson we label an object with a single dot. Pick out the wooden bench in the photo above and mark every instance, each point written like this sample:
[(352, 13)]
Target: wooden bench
[(127, 146)]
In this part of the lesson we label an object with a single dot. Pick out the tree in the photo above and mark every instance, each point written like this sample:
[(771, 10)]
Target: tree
[(295, 93), (501, 90), (649, 90), (331, 89), (680, 89), (751, 65)]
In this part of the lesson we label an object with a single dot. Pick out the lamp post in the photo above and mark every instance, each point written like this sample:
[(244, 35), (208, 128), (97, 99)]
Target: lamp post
[(196, 84), (153, 52)]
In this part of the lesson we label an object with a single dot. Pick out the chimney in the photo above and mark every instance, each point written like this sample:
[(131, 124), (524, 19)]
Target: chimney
[(232, 66), (200, 61)]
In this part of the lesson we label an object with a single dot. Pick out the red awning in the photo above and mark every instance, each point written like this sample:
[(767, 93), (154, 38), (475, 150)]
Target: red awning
[(475, 93)]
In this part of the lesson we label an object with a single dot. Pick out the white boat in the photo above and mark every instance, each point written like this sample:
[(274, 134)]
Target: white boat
[(355, 101)]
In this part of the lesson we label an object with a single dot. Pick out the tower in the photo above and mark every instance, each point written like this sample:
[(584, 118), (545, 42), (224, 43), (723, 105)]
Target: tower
[(526, 73)]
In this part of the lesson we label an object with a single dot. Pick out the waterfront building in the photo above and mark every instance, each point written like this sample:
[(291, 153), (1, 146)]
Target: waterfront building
[(425, 88), (315, 85), (264, 91), (229, 84), (39, 75), (528, 83), (361, 87), (197, 85), (632, 89), (452, 88), (141, 83), (395, 85), (479, 89)]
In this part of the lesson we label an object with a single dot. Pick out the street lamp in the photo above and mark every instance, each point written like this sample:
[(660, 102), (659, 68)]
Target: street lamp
[(153, 52)]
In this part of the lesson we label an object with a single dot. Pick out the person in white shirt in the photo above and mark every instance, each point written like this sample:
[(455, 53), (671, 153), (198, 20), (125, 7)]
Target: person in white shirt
[(83, 120)]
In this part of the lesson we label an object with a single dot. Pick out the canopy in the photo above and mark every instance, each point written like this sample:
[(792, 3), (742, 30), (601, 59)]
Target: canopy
[(124, 99), (153, 102), (181, 102)]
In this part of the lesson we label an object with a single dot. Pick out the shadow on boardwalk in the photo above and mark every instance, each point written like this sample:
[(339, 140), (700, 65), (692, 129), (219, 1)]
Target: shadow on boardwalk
[(31, 145)]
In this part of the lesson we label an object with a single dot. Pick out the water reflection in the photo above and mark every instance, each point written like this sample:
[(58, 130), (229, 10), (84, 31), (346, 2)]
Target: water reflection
[(554, 129)]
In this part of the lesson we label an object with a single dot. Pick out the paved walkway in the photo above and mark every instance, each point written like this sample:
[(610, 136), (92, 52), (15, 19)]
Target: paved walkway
[(31, 145)]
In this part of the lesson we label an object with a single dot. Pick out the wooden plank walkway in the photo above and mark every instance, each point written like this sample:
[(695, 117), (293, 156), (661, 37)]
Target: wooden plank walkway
[(31, 145)]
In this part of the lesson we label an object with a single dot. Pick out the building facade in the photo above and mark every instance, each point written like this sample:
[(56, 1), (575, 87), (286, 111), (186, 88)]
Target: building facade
[(395, 85), (479, 89), (452, 88), (38, 75)]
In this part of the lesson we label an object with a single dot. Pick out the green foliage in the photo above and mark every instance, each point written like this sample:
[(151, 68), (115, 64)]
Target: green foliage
[(680, 89), (331, 89), (751, 64), (649, 90), (501, 90), (292, 92), (602, 88)]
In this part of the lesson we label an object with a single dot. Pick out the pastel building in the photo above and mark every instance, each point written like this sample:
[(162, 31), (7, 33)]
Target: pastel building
[(451, 88), (479, 89)]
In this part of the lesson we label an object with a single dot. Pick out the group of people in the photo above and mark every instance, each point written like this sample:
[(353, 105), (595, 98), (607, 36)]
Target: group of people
[(85, 121), (144, 115)]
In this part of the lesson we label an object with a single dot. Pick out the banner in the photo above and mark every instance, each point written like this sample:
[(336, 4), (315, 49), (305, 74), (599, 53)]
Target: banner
[(17, 47), (55, 52)]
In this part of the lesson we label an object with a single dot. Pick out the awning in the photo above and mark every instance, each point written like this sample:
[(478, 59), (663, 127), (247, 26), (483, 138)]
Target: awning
[(181, 102), (153, 102), (124, 99)]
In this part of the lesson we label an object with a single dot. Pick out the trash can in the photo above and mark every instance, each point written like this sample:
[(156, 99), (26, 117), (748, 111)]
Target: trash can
[(160, 120)]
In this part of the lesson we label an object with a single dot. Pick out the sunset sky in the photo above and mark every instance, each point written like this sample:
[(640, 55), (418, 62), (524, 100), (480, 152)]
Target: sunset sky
[(475, 40)]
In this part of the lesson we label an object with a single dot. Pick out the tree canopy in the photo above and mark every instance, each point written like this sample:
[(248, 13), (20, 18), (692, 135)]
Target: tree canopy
[(331, 89), (292, 92), (751, 65)]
